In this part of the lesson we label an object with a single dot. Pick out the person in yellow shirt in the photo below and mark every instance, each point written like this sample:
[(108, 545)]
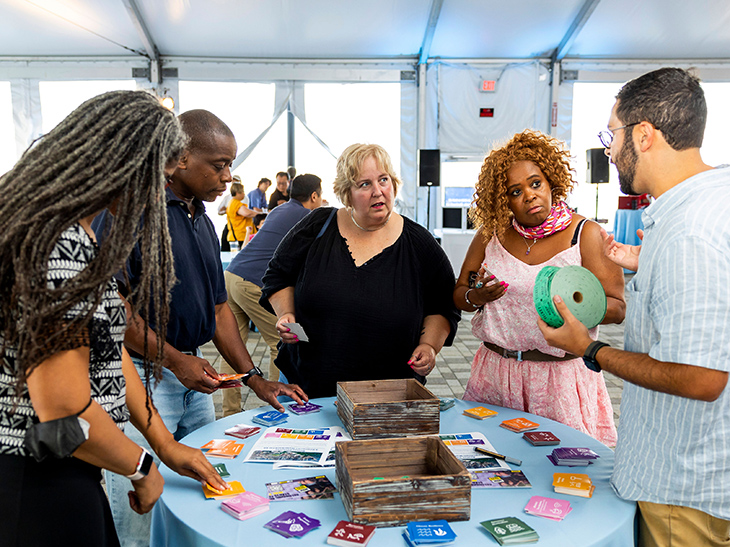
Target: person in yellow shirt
[(239, 215)]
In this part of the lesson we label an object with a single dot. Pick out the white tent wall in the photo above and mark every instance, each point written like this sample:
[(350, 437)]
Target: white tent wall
[(448, 109)]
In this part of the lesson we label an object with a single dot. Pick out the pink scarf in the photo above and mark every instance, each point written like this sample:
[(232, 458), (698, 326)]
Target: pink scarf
[(559, 219)]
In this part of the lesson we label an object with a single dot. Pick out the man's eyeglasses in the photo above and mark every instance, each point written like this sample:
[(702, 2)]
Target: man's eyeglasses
[(606, 137)]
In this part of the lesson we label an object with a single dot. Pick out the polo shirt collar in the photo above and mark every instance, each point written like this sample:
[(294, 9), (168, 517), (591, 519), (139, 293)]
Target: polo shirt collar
[(173, 199)]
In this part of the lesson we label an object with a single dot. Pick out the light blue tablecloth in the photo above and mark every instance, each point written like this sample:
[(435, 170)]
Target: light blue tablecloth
[(183, 517)]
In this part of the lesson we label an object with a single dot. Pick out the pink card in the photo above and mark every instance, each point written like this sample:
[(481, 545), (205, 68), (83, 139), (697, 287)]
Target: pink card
[(550, 508)]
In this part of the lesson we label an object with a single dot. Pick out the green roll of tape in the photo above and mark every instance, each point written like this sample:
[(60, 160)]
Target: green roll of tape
[(578, 287)]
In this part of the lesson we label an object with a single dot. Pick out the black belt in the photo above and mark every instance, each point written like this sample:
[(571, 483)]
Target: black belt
[(529, 355)]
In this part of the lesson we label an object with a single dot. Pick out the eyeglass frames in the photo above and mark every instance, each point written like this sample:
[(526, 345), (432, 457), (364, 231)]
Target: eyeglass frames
[(606, 137)]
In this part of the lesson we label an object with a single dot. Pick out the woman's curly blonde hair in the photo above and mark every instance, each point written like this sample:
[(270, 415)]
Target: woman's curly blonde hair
[(490, 209)]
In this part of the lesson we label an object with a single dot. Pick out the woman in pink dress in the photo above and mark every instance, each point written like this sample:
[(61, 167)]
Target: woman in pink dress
[(524, 225)]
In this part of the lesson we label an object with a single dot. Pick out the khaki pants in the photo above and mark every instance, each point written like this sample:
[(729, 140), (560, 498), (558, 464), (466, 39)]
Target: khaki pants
[(675, 526), (243, 299)]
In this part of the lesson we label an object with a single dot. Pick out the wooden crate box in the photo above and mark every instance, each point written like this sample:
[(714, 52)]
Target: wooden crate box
[(387, 408), (389, 482)]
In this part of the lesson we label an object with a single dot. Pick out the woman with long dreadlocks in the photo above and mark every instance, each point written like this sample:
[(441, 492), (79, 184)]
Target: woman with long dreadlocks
[(67, 385)]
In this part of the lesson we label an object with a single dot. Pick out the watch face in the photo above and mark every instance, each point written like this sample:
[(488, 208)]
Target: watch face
[(146, 464)]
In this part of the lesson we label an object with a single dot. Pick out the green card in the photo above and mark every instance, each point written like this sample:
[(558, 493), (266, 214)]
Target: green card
[(221, 468)]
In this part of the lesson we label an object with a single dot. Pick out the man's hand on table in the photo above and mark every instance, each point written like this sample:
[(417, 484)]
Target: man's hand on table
[(268, 391)]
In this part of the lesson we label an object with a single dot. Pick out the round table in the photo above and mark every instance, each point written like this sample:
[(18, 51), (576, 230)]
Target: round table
[(183, 517)]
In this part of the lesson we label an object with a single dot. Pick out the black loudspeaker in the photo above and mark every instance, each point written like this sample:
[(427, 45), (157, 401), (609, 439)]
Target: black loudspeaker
[(597, 161), (429, 167)]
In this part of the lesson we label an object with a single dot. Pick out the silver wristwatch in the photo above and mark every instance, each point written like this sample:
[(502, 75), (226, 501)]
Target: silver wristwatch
[(143, 467)]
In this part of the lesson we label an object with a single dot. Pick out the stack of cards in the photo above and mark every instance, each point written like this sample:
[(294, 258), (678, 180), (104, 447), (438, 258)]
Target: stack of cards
[(242, 431), (548, 508), (222, 448), (306, 408), (572, 456), (230, 380), (574, 484), (270, 418), (246, 505), (292, 525), (498, 479), (311, 488), (510, 531), (518, 425), (479, 412), (234, 488), (446, 403), (434, 532), (347, 533), (540, 438)]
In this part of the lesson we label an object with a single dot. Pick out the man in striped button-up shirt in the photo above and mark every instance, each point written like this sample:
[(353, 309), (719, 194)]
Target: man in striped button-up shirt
[(673, 452)]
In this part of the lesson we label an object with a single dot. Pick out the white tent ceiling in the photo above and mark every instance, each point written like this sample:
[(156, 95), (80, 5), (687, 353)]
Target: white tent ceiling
[(357, 29)]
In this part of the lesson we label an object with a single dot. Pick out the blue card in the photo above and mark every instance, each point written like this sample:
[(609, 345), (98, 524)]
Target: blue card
[(431, 532)]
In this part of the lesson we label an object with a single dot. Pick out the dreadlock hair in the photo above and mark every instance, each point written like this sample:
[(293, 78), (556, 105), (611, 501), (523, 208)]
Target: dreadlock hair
[(490, 208), (112, 150)]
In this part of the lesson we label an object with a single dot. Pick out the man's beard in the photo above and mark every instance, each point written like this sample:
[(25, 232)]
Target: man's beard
[(626, 167)]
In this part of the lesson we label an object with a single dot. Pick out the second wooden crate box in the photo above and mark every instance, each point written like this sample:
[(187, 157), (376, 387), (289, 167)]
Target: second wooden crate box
[(390, 482)]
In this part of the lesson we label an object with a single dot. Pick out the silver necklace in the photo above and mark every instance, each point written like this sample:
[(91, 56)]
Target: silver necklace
[(529, 246), (370, 229)]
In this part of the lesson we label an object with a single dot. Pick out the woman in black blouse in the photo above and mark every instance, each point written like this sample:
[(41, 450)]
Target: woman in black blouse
[(67, 385), (370, 287)]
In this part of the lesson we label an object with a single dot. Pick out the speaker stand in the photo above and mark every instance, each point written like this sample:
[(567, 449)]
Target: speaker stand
[(428, 206), (596, 217)]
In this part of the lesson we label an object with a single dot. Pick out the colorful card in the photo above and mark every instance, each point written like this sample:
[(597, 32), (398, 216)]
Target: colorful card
[(573, 484), (242, 431), (292, 524), (234, 488), (230, 380), (270, 418), (310, 488), (230, 451), (306, 408), (540, 438), (246, 505), (446, 403), (549, 508), (429, 532), (348, 533), (498, 479), (221, 468), (510, 531), (480, 412), (518, 425), (217, 444)]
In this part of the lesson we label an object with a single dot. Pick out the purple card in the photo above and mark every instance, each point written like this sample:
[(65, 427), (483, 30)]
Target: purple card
[(292, 524), (306, 408), (567, 453)]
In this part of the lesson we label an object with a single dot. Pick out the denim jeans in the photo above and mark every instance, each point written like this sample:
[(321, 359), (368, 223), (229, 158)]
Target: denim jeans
[(183, 411)]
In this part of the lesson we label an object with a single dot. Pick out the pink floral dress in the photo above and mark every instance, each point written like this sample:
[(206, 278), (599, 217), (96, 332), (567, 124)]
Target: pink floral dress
[(565, 391)]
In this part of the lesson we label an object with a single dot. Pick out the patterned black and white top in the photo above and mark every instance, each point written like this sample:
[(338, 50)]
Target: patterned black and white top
[(73, 251)]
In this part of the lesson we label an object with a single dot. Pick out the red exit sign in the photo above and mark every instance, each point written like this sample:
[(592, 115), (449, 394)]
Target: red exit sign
[(488, 85), (486, 112)]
